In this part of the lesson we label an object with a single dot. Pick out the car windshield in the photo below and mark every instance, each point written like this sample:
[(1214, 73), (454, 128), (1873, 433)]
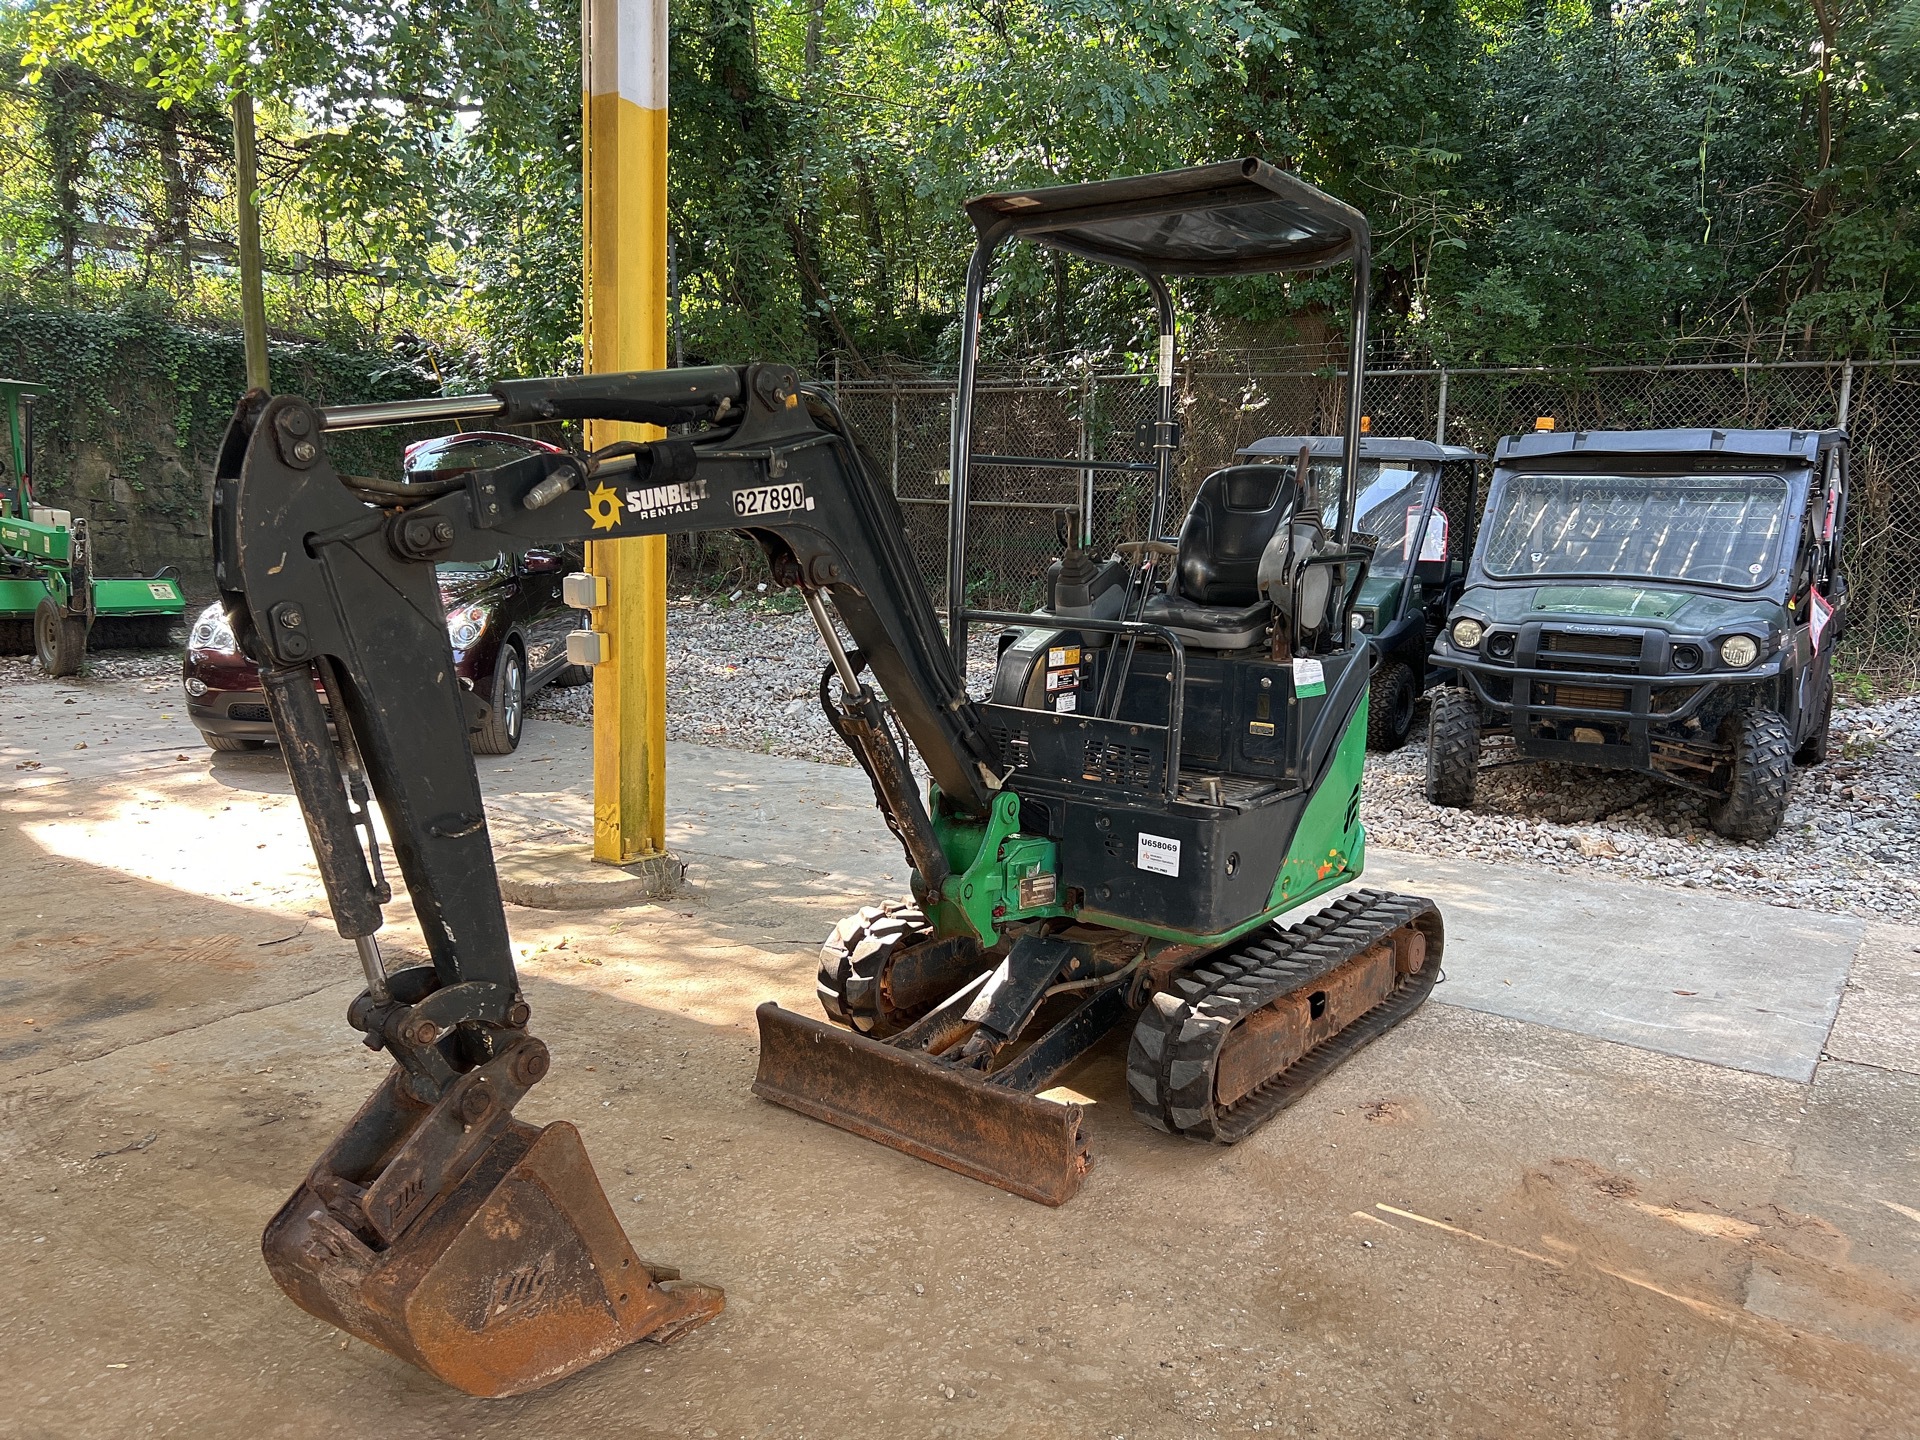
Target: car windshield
[(1703, 529), (1391, 495)]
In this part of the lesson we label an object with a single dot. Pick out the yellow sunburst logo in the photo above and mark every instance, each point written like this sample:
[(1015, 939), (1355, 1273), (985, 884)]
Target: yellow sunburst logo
[(603, 508)]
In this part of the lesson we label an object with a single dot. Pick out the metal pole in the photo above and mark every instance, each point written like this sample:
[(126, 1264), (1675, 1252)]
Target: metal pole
[(962, 453), (624, 53), (1846, 392), (1440, 413), (1356, 378)]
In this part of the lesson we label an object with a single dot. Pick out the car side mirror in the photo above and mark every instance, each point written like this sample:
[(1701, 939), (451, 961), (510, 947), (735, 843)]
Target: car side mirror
[(541, 562)]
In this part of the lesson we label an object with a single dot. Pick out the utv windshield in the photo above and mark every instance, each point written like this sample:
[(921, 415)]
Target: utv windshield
[(1701, 529), (1392, 495)]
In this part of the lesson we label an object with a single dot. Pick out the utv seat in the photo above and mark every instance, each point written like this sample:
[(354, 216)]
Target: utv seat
[(1213, 599)]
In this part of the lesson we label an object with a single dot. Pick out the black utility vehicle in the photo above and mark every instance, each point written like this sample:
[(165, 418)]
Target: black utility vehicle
[(1656, 600), (1406, 486)]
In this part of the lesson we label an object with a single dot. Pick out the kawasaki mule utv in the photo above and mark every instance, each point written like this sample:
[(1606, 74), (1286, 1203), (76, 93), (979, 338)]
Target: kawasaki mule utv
[(1664, 601), (1419, 564)]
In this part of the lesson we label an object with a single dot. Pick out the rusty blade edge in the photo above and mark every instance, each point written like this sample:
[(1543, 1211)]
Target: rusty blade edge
[(955, 1119)]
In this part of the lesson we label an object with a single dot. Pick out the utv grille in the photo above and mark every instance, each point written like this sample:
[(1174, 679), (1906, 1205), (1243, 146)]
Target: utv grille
[(1567, 642), (1584, 697)]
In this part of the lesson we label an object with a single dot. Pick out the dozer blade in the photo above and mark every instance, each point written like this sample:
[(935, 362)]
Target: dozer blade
[(515, 1274), (955, 1117)]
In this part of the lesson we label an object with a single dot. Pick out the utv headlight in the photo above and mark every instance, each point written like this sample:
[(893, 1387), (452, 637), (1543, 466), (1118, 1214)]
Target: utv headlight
[(1739, 651), (1467, 632)]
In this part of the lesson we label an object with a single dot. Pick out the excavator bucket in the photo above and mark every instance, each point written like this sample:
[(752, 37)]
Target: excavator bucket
[(477, 1247), (955, 1117)]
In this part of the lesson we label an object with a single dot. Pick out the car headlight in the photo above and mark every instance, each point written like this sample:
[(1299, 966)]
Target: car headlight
[(211, 633), (1739, 651), (465, 625), (1467, 632)]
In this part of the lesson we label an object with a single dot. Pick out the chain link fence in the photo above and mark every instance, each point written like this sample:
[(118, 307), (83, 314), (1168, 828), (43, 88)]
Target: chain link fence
[(1018, 513)]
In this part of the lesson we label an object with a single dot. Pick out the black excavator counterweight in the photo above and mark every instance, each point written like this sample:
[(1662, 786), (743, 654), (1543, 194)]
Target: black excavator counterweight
[(1169, 761)]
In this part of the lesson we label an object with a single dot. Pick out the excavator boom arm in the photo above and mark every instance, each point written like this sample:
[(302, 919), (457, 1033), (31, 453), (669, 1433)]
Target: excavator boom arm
[(334, 574)]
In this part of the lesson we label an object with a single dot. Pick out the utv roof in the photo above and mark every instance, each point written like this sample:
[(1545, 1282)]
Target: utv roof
[(1239, 217), (1797, 446), (1372, 447)]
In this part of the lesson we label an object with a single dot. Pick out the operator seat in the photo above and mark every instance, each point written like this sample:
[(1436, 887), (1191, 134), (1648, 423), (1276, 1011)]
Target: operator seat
[(1213, 599)]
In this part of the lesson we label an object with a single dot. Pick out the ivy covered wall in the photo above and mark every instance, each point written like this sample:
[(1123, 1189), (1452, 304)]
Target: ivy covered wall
[(133, 412)]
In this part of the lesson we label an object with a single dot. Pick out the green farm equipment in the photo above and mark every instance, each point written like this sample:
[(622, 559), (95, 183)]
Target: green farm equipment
[(51, 602)]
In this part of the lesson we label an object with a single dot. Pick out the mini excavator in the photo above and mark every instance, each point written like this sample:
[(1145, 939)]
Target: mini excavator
[(1168, 762)]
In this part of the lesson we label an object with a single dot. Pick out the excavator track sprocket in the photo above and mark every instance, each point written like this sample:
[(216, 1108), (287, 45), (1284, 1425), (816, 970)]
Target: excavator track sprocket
[(1244, 1032)]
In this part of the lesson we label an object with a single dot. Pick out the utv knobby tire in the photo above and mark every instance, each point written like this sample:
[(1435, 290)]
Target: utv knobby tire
[(854, 957), (1453, 748), (1756, 798), (1391, 696), (59, 639)]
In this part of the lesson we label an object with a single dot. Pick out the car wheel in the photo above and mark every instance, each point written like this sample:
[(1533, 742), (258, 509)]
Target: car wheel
[(227, 744), (1756, 798), (507, 704), (1453, 749), (59, 639), (571, 675), (1390, 701)]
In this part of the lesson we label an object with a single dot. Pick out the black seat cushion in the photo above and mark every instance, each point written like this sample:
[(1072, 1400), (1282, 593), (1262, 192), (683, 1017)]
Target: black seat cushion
[(1212, 627), (1235, 512)]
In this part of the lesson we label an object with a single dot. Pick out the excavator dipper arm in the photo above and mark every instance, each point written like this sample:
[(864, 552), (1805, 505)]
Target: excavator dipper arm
[(325, 576)]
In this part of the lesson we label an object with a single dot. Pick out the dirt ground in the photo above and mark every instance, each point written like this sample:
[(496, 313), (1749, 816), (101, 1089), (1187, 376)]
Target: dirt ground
[(1479, 1227)]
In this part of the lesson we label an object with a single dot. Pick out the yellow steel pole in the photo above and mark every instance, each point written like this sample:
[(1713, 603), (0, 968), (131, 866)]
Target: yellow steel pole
[(624, 49)]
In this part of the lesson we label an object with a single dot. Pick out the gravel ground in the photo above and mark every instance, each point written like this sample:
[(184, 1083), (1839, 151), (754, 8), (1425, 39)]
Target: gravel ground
[(101, 665), (746, 680)]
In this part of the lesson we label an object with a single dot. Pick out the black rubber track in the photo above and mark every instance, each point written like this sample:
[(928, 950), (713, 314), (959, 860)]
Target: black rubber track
[(855, 954), (1178, 1038)]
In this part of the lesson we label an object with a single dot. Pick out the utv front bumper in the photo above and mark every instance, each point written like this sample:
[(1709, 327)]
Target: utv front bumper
[(1618, 711)]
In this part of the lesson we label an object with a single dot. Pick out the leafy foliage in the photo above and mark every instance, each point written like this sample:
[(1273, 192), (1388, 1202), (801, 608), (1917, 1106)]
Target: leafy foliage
[(1544, 176)]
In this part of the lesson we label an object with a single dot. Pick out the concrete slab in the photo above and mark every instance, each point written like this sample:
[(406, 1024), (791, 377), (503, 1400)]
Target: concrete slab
[(1704, 977), (1880, 1010), (1480, 1226)]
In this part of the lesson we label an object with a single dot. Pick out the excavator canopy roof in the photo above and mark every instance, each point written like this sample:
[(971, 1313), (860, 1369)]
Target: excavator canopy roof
[(1238, 217)]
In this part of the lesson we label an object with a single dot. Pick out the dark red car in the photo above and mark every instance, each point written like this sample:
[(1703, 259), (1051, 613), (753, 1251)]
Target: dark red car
[(505, 619)]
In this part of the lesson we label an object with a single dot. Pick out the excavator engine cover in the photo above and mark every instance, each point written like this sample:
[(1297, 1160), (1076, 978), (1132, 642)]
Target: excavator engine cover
[(498, 1273)]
